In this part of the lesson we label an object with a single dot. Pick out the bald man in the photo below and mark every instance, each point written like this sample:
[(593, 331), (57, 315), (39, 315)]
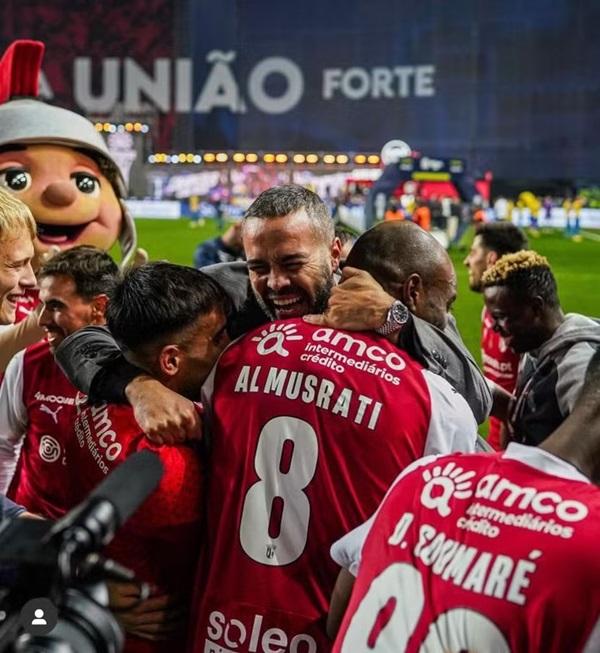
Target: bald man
[(411, 266), (411, 269)]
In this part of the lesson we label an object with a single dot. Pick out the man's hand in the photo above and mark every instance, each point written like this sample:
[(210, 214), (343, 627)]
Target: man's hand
[(502, 401), (165, 416), (158, 617), (358, 303), (141, 257), (29, 515)]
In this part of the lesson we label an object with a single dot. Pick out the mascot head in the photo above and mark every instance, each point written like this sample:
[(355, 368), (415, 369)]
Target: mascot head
[(56, 162)]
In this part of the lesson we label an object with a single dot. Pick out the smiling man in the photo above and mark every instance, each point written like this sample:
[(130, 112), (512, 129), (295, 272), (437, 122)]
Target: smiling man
[(37, 402), (522, 298), (291, 250), (17, 230)]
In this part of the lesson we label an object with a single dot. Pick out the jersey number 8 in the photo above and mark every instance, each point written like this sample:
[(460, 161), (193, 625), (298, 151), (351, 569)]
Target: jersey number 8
[(285, 462)]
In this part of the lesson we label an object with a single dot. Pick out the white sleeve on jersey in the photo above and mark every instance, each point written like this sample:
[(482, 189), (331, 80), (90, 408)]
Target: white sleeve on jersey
[(452, 426), (593, 643), (206, 395), (347, 550), (13, 420), (206, 398)]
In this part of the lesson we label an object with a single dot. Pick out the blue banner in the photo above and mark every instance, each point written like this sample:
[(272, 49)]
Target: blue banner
[(507, 86)]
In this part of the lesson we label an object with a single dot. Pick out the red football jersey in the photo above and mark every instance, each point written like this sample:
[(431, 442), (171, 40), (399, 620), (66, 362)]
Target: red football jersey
[(160, 542), (47, 402), (310, 426), (500, 365), (487, 552), (28, 303)]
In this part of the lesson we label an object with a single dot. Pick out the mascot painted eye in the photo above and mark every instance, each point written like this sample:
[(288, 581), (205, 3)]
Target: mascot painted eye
[(15, 179), (86, 183)]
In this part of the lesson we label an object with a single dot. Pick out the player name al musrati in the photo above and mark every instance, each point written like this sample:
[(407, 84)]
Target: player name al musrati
[(343, 402)]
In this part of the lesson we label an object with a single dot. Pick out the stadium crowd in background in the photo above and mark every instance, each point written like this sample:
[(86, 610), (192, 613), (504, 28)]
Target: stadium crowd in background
[(339, 380)]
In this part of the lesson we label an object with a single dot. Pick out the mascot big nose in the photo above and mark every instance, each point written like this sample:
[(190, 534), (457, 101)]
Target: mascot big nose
[(60, 193), (69, 179)]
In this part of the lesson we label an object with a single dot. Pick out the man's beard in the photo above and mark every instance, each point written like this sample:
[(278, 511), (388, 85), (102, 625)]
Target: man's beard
[(476, 286), (265, 309), (322, 295), (319, 303)]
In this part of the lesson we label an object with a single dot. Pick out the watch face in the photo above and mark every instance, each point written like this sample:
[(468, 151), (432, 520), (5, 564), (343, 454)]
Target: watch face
[(399, 312)]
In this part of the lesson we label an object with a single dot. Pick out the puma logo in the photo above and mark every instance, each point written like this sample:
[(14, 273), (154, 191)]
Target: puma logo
[(53, 413)]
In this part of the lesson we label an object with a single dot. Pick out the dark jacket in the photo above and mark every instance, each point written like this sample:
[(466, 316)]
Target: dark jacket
[(215, 251), (550, 379)]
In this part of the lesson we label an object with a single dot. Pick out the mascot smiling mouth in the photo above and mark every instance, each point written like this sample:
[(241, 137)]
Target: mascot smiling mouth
[(59, 234)]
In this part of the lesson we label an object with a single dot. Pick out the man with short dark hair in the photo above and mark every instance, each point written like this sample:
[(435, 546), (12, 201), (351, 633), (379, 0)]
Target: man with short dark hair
[(291, 251), (521, 296), (171, 321), (492, 241), (37, 402), (500, 363)]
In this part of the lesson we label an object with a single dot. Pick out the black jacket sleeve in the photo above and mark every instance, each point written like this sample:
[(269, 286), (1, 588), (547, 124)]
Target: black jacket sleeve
[(445, 354), (95, 365)]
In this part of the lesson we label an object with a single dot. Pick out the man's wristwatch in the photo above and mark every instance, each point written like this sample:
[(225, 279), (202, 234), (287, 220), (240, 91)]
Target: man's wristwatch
[(397, 317)]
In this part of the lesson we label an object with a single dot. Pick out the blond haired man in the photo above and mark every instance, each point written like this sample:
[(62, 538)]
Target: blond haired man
[(17, 231)]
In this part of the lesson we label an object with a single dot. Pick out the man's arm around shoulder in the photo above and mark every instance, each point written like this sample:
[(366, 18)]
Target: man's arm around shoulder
[(95, 365)]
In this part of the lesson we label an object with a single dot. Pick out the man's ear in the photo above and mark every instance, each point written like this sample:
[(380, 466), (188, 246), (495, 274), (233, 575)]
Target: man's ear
[(336, 252), (537, 304), (490, 258), (99, 304), (170, 359), (412, 289)]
